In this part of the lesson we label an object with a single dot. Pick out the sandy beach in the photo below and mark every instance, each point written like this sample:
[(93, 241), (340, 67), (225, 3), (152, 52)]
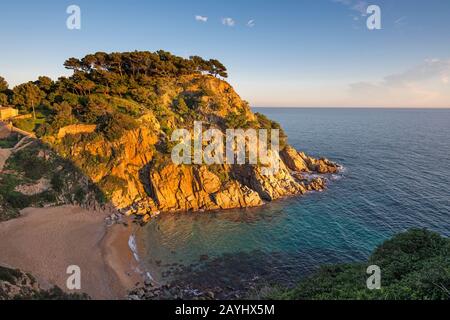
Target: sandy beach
[(45, 241)]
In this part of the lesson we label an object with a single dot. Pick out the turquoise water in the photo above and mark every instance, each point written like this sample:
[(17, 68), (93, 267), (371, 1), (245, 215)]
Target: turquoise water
[(397, 176)]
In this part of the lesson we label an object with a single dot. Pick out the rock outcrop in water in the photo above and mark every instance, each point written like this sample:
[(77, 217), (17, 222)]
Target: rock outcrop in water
[(300, 162), (114, 119)]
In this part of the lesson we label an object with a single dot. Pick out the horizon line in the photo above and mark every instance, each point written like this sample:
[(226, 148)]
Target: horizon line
[(351, 107)]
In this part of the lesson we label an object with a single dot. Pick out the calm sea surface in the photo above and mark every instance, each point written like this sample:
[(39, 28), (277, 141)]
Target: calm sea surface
[(397, 176)]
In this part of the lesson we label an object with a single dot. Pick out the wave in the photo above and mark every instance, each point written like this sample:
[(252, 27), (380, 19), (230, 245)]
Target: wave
[(133, 247)]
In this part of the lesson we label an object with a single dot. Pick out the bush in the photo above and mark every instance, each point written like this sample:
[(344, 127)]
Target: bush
[(28, 162), (111, 183), (9, 275), (114, 125), (17, 200), (79, 195), (9, 142), (415, 266), (237, 121), (27, 125), (57, 182)]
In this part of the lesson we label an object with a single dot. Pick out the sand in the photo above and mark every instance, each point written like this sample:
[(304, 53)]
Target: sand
[(45, 241)]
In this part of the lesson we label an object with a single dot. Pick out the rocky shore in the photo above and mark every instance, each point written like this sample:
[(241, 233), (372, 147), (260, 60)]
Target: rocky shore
[(135, 172), (110, 147), (197, 188)]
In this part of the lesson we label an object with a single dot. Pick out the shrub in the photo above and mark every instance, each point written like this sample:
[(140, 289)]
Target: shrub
[(415, 266), (9, 142), (113, 125), (27, 125), (27, 161)]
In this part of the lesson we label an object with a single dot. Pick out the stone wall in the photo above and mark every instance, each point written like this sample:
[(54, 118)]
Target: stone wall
[(76, 129)]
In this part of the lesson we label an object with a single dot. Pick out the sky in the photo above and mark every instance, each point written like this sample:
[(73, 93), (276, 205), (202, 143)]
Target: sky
[(279, 53)]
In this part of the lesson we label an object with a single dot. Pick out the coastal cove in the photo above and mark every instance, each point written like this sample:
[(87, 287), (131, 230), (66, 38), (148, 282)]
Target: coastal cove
[(203, 159), (384, 187), (387, 186)]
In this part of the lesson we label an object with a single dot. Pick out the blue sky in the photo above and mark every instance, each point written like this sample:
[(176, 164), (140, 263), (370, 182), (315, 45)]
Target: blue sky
[(310, 53)]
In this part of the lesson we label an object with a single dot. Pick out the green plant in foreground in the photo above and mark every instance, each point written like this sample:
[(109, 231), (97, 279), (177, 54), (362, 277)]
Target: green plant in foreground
[(415, 265)]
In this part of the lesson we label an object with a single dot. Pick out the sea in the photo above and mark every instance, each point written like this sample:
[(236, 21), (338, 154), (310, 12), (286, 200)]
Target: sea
[(395, 176)]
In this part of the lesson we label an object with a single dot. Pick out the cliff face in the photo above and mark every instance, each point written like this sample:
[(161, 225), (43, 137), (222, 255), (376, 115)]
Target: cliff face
[(183, 188), (135, 172)]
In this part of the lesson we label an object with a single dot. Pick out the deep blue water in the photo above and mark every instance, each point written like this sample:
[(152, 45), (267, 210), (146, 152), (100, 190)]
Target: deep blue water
[(397, 176)]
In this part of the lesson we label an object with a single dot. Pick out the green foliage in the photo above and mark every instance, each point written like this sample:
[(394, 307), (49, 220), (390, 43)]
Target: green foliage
[(79, 195), (44, 83), (266, 123), (17, 200), (415, 265), (3, 99), (237, 121), (181, 106), (28, 162), (10, 200), (27, 95), (68, 184), (57, 182), (217, 68), (113, 125), (62, 116), (9, 275), (112, 91), (111, 183), (30, 290), (27, 125), (143, 63), (9, 142), (220, 171), (3, 84), (54, 293)]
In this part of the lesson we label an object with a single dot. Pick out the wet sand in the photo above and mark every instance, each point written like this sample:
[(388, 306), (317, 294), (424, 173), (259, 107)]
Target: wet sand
[(45, 241)]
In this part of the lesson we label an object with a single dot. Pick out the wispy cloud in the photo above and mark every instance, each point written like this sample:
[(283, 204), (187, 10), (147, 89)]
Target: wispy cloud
[(359, 6), (424, 84), (429, 69), (251, 23), (228, 22), (201, 18), (400, 21)]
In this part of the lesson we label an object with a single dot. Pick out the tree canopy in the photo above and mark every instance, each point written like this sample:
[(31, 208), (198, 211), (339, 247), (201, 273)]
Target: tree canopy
[(3, 84), (3, 91), (145, 63), (110, 90)]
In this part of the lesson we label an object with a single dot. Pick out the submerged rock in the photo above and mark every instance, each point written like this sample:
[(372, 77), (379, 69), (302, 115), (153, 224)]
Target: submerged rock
[(317, 184)]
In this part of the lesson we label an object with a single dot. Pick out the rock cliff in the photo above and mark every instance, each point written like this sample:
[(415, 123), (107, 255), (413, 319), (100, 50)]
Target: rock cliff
[(135, 172)]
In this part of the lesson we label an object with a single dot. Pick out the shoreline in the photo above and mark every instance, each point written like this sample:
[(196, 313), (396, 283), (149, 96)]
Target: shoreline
[(120, 258), (45, 241)]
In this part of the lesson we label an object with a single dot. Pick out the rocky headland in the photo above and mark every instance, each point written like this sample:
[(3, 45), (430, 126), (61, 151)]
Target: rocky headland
[(101, 139)]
